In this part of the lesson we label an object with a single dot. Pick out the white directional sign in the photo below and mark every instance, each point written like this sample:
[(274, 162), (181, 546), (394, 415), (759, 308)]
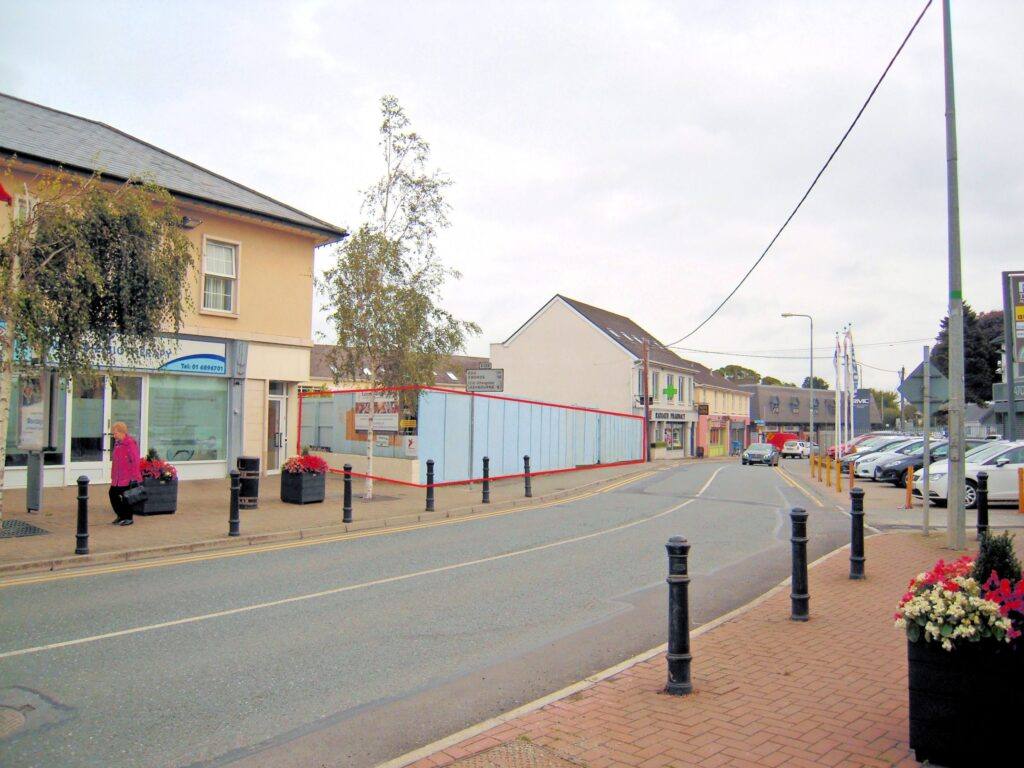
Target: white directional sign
[(485, 379)]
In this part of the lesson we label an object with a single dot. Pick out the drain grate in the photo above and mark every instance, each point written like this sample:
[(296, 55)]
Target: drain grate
[(14, 529)]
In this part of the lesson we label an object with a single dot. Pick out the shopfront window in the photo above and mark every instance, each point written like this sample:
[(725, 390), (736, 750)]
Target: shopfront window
[(87, 419), (188, 418), (22, 399)]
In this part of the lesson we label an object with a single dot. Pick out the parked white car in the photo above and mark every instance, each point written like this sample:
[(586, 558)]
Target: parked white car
[(1000, 460), (865, 467), (797, 449)]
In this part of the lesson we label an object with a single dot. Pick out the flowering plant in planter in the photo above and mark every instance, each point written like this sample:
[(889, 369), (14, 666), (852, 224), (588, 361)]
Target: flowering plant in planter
[(948, 606), (155, 468), (965, 662), (160, 479), (298, 464)]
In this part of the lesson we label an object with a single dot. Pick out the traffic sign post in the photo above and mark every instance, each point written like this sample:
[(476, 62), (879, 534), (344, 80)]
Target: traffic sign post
[(912, 387), (485, 379)]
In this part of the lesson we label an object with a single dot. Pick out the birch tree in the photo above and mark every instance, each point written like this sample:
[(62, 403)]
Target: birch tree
[(89, 271), (383, 292)]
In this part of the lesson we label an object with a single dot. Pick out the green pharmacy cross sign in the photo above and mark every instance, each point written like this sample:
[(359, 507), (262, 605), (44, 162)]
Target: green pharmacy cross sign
[(670, 392)]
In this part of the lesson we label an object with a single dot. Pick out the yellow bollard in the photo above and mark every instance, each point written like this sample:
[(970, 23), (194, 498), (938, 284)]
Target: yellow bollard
[(821, 467), (1020, 490), (812, 463), (910, 489), (828, 473), (839, 477), (851, 475)]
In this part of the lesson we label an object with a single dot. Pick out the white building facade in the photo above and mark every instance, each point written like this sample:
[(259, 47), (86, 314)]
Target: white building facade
[(573, 353)]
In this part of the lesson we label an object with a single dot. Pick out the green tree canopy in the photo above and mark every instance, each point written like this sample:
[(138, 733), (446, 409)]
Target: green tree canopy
[(982, 345), (738, 372), (819, 383), (93, 271)]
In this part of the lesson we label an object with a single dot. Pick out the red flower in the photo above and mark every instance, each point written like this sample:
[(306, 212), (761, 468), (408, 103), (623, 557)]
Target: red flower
[(312, 464)]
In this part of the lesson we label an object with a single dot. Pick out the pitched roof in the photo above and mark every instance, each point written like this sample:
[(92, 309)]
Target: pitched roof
[(35, 132), (456, 365), (629, 334)]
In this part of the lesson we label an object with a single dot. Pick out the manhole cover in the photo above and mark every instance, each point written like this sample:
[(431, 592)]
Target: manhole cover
[(515, 754), (23, 710), (13, 529), (10, 721)]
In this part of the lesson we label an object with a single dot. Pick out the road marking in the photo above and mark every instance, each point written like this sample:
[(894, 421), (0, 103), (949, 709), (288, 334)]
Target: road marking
[(588, 682), (353, 587), (785, 476), (259, 548)]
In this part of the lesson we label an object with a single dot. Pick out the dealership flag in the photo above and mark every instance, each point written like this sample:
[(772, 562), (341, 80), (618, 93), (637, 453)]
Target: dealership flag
[(5, 196)]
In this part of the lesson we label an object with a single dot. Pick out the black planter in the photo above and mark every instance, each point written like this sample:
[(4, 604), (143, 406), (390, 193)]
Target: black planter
[(303, 487), (964, 702), (161, 496)]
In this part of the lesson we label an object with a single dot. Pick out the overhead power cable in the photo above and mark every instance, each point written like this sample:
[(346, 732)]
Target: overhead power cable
[(779, 357), (826, 344), (814, 182)]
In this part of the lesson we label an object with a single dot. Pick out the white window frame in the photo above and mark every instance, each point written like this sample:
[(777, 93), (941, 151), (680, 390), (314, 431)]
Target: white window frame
[(233, 312)]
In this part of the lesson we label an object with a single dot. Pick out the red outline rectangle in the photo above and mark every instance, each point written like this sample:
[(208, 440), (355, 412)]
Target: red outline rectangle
[(443, 390)]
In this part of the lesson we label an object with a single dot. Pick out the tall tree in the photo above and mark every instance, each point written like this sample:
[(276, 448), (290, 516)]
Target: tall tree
[(89, 271), (383, 293), (981, 353), (819, 383), (772, 381), (738, 373)]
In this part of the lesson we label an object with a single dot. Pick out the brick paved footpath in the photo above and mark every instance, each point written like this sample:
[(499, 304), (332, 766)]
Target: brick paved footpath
[(768, 691)]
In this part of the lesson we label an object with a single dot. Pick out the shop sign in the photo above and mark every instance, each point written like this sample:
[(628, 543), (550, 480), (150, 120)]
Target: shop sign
[(382, 407), (1013, 295), (668, 416), (184, 356), (703, 409), (407, 423)]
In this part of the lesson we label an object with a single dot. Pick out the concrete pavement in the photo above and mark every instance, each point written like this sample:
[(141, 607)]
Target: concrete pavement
[(349, 653)]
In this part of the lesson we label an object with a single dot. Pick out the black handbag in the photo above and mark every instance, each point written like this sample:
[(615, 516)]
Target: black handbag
[(136, 495)]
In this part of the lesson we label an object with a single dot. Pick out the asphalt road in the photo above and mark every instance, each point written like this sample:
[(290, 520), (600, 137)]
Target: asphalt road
[(350, 653)]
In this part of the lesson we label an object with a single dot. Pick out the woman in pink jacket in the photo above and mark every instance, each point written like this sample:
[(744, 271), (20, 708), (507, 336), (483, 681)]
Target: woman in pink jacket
[(125, 471)]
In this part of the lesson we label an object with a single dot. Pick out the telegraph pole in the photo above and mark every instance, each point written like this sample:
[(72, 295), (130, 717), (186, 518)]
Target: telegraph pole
[(956, 520), (647, 401)]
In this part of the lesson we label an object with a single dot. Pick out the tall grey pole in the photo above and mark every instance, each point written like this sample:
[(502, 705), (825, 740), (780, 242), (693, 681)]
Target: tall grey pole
[(926, 457), (903, 375), (956, 533)]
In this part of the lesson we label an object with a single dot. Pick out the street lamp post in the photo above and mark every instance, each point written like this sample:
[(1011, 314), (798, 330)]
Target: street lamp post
[(811, 380)]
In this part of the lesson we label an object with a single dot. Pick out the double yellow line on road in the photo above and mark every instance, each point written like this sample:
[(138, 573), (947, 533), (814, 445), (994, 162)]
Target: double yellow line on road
[(260, 548), (796, 484)]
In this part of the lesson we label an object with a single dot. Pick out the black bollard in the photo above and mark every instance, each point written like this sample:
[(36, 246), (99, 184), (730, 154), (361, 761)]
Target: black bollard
[(233, 521), (857, 533), (678, 618), (82, 534), (798, 595), (487, 482), (430, 485), (526, 476), (982, 504), (346, 504)]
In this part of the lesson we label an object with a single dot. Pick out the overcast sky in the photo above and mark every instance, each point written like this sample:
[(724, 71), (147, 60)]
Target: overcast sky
[(637, 156)]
